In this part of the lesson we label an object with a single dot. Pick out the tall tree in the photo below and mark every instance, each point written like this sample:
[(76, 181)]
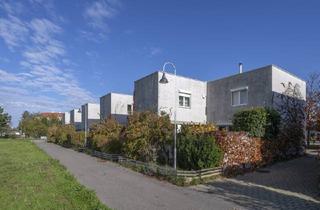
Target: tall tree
[(5, 120), (291, 107), (36, 125), (312, 107)]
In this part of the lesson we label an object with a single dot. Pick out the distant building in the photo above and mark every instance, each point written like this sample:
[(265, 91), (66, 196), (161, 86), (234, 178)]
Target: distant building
[(52, 115), (116, 105), (66, 118), (75, 118), (90, 114)]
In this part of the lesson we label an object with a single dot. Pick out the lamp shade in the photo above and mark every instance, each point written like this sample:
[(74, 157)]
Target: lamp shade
[(163, 79)]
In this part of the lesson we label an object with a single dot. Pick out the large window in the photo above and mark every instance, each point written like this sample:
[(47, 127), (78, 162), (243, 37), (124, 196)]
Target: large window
[(239, 97), (185, 100)]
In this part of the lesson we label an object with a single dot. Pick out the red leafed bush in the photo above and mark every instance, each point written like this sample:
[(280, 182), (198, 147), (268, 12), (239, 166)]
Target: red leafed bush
[(242, 152)]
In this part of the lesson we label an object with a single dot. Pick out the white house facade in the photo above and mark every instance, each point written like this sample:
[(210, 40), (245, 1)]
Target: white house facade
[(66, 118), (186, 94), (75, 118), (116, 105), (90, 114)]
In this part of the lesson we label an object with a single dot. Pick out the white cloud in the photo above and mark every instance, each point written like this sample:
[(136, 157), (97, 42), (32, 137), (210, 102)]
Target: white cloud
[(99, 12), (13, 31), (45, 82), (8, 77), (155, 51)]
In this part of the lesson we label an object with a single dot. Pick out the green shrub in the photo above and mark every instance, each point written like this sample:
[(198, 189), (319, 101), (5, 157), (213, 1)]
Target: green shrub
[(258, 122), (273, 124), (105, 136), (196, 152)]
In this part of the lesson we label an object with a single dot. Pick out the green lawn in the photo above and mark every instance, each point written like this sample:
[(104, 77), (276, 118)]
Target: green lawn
[(30, 179)]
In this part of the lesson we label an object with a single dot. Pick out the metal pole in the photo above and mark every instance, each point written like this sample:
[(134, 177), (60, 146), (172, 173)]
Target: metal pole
[(175, 114), (85, 126), (175, 122)]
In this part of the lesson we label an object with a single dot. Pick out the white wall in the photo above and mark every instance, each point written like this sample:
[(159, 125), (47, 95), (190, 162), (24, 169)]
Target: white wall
[(93, 111), (166, 98), (76, 116), (66, 118), (119, 103), (281, 76)]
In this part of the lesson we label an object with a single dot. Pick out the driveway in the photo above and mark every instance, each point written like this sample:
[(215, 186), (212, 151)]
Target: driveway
[(121, 188), (286, 185)]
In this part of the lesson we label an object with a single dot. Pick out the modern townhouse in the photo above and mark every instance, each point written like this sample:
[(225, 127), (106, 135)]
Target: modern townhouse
[(90, 114), (66, 118), (214, 101), (75, 118), (117, 106), (256, 88), (190, 97)]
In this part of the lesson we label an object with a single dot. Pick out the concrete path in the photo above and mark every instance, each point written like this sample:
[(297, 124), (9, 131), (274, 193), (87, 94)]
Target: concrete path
[(286, 185), (121, 188)]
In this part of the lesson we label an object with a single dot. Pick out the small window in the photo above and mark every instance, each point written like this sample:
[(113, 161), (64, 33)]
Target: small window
[(180, 100), (239, 97), (184, 100), (129, 109)]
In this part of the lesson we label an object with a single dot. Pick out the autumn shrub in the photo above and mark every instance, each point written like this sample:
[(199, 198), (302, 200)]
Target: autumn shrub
[(243, 152), (198, 129), (258, 122), (196, 152), (146, 136), (52, 131), (105, 136), (78, 139), (61, 134)]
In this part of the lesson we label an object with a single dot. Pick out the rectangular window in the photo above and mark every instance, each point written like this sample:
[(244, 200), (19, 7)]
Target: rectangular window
[(185, 100), (180, 100), (239, 97), (129, 109)]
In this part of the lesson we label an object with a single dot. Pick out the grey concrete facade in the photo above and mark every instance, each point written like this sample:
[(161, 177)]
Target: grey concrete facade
[(75, 118), (145, 96), (66, 118), (150, 95), (90, 114), (214, 101), (116, 105), (262, 85)]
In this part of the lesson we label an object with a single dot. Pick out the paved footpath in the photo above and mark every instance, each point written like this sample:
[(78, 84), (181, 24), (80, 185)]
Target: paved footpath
[(286, 185), (122, 188)]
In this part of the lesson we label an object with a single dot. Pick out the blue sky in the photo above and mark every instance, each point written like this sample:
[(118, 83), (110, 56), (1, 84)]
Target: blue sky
[(56, 55)]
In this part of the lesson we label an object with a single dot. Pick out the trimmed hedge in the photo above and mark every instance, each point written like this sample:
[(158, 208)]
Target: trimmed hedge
[(196, 152), (258, 122)]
